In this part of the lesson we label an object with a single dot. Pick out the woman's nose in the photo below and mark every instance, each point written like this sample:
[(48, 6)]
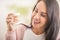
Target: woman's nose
[(37, 17)]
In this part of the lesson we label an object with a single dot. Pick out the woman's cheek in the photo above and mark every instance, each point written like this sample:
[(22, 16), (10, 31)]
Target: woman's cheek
[(44, 20)]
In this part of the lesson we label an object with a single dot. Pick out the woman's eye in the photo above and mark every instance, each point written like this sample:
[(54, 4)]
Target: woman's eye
[(43, 14), (36, 11)]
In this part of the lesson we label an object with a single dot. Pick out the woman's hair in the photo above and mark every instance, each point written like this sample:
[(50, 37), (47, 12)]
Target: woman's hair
[(52, 28)]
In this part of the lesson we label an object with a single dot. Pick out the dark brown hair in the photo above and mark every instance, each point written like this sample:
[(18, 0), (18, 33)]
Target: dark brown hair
[(52, 28)]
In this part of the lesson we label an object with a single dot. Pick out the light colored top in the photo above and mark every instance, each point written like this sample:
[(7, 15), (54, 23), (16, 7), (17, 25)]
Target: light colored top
[(20, 32), (30, 35)]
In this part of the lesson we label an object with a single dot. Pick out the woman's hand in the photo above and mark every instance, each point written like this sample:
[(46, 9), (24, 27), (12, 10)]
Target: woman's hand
[(10, 20)]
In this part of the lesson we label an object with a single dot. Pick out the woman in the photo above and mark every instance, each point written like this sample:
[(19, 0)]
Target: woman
[(44, 23)]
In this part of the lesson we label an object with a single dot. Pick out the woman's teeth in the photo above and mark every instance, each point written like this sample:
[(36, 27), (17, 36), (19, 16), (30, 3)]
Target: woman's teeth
[(36, 22)]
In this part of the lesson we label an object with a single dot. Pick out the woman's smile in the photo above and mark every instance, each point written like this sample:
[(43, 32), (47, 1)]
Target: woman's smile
[(36, 22)]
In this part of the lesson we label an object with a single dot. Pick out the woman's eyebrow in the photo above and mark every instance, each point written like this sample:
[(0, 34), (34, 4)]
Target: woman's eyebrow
[(44, 13)]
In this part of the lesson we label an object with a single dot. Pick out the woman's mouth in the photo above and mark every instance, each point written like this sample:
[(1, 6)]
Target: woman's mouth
[(36, 22)]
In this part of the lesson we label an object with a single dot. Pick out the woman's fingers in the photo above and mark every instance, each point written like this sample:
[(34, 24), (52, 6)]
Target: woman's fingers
[(15, 19)]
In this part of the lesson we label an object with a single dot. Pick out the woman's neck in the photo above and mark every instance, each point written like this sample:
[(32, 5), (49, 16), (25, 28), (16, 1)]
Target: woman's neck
[(38, 31)]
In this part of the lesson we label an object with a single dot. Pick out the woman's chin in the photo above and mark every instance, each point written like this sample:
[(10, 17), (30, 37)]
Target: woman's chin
[(36, 26)]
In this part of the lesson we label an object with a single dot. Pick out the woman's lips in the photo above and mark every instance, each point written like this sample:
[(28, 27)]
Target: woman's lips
[(35, 22)]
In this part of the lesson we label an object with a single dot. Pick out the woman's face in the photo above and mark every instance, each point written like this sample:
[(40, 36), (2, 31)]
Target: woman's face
[(39, 15)]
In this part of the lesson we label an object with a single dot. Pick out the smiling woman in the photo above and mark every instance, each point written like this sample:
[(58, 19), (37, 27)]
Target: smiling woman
[(44, 23)]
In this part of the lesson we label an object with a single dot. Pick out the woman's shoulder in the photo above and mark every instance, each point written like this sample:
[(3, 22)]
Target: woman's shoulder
[(20, 30), (21, 27)]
